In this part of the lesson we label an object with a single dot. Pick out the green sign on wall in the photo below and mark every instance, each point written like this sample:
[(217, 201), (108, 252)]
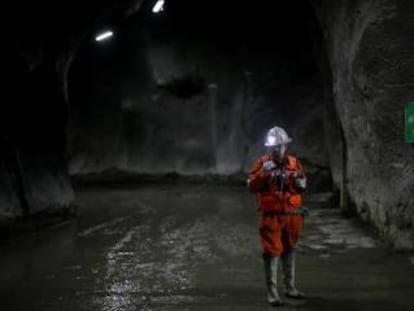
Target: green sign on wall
[(409, 123)]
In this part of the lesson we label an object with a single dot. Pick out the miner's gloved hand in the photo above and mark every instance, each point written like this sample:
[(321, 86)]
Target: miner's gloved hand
[(268, 166), (300, 183)]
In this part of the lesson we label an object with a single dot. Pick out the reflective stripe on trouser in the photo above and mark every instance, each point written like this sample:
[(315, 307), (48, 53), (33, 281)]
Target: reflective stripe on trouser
[(279, 233), (271, 268)]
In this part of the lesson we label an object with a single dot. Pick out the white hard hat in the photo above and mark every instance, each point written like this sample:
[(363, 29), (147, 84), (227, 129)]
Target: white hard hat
[(277, 136)]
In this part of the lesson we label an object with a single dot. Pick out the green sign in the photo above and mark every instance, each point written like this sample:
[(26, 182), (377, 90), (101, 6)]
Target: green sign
[(409, 123)]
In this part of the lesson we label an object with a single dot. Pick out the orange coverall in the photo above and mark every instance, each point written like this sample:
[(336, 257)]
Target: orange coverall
[(280, 222)]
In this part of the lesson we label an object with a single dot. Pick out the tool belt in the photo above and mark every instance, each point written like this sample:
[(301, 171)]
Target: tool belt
[(300, 211)]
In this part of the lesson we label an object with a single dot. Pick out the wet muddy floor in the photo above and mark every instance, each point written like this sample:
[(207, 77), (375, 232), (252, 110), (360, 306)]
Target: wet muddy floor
[(193, 248)]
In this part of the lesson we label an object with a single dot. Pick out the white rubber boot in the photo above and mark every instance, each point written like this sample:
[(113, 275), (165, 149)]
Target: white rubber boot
[(288, 265), (271, 268)]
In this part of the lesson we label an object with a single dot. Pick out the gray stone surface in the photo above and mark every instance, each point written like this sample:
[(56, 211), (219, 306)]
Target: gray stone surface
[(187, 101), (32, 184), (370, 58)]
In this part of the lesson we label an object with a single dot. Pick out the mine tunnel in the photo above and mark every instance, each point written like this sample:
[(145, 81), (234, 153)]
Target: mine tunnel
[(129, 130)]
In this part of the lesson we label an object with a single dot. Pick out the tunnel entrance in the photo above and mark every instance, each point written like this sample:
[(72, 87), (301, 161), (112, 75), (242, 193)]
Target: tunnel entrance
[(192, 90)]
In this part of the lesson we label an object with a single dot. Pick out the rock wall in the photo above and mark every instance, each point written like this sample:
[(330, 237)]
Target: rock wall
[(39, 40), (33, 172), (199, 99), (371, 59)]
